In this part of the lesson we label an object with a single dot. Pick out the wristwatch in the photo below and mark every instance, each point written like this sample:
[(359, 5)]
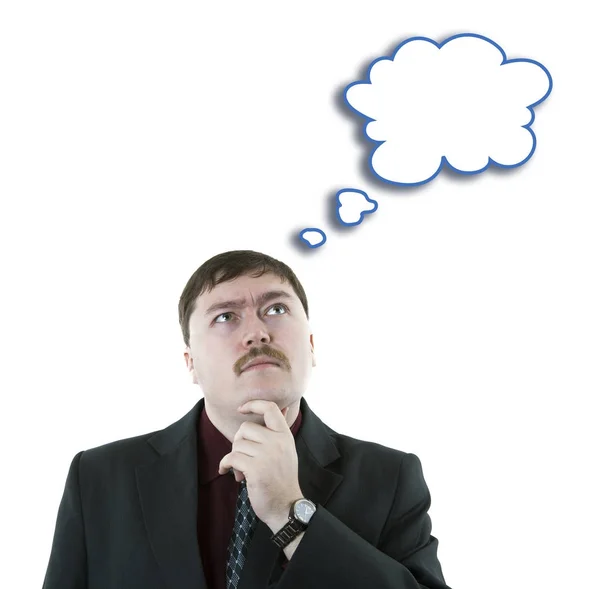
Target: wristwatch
[(301, 512)]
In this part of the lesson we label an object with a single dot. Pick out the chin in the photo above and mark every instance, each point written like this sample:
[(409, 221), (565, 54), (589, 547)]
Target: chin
[(277, 395), (267, 394)]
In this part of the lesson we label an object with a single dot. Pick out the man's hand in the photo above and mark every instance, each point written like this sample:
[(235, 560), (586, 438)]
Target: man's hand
[(268, 459)]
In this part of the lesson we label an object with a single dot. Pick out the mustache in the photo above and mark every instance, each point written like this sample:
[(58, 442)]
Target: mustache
[(262, 351)]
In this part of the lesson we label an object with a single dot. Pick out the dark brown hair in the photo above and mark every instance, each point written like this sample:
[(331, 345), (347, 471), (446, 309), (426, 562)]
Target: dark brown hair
[(228, 266)]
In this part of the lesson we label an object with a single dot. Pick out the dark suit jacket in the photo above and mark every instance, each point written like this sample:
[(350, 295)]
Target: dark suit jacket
[(128, 517)]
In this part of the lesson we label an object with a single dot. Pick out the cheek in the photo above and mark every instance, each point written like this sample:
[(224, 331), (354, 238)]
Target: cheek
[(212, 358), (299, 346)]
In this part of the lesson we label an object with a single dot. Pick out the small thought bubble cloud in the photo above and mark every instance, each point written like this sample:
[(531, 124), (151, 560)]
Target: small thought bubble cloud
[(313, 237), (353, 205), (460, 102)]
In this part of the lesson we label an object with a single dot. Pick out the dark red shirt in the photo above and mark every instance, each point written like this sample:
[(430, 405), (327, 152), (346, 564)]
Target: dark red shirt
[(216, 500)]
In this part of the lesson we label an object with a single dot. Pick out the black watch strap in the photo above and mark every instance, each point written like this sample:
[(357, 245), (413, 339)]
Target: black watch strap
[(292, 529)]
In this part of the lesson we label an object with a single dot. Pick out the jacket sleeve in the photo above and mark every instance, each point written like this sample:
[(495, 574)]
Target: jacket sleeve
[(332, 555), (68, 560)]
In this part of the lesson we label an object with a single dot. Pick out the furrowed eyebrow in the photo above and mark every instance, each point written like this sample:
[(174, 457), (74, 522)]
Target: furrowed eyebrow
[(239, 303)]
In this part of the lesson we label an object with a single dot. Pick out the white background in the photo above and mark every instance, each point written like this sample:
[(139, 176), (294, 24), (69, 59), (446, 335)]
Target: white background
[(459, 322)]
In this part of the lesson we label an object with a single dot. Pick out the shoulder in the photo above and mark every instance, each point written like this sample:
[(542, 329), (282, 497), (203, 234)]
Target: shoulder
[(144, 448), (372, 456), (112, 458), (120, 447), (397, 474)]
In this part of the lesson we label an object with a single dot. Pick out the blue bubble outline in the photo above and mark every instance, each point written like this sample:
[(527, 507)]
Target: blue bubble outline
[(444, 161), (362, 214), (313, 229)]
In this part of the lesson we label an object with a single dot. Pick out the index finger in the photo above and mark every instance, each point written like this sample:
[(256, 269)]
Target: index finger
[(274, 418)]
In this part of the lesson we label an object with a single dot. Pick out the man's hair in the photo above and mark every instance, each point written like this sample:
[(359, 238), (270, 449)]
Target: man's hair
[(228, 266)]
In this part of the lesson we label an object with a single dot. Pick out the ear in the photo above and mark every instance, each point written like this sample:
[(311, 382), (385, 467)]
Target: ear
[(189, 361), (312, 350)]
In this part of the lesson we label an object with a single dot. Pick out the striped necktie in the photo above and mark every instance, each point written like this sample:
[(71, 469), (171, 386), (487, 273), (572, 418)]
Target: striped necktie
[(243, 530)]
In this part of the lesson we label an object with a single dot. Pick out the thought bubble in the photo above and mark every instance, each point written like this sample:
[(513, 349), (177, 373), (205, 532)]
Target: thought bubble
[(459, 103), (353, 205), (313, 237)]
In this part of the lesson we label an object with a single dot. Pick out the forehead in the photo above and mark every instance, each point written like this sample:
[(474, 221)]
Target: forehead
[(243, 287)]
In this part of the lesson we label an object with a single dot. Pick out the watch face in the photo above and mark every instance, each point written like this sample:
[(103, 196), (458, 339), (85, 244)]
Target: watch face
[(303, 510)]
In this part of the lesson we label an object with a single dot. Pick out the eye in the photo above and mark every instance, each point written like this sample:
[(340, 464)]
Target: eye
[(276, 306), (228, 314)]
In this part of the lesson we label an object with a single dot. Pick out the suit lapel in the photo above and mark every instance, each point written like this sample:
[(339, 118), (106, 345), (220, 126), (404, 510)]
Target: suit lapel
[(168, 492)]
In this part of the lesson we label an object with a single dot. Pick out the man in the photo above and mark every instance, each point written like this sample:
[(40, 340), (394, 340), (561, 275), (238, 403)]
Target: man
[(249, 489)]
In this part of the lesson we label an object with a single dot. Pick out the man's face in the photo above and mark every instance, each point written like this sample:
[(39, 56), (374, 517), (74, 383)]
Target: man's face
[(241, 321)]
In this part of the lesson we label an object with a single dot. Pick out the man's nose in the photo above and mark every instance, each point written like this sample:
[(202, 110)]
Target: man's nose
[(256, 332)]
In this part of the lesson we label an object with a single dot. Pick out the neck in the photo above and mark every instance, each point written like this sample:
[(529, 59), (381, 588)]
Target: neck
[(229, 424)]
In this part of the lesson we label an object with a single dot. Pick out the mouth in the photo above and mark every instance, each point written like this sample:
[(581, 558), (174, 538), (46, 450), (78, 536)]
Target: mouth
[(261, 364)]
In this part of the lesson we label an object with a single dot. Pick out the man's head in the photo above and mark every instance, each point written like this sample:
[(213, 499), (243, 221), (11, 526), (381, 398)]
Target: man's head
[(237, 308)]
